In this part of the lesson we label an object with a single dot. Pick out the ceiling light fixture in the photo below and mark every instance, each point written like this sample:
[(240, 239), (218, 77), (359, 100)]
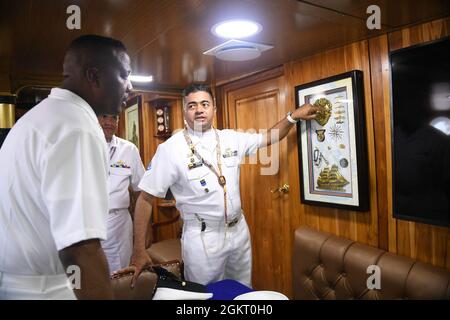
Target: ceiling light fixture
[(134, 78), (236, 29), (237, 50)]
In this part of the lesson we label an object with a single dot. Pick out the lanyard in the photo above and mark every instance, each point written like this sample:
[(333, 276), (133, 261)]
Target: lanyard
[(220, 177), (112, 150)]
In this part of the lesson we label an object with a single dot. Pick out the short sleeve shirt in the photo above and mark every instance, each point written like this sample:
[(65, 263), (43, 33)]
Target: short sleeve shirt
[(53, 184), (125, 170), (197, 189)]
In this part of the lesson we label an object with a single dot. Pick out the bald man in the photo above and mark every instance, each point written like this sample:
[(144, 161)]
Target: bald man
[(53, 180)]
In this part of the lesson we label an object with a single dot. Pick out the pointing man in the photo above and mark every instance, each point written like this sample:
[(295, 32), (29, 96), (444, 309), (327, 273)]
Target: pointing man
[(200, 165)]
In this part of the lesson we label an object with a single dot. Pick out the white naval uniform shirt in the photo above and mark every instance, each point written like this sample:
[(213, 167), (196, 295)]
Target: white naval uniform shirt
[(53, 184), (125, 169), (169, 169)]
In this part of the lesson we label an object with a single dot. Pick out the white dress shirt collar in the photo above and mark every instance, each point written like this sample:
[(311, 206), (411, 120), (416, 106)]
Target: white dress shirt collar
[(206, 138), (64, 94)]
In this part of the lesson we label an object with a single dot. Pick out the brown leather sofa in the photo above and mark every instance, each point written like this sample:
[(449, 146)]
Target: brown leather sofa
[(145, 285), (326, 266), (162, 251), (166, 250)]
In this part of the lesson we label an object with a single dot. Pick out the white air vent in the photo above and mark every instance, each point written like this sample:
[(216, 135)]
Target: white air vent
[(237, 50)]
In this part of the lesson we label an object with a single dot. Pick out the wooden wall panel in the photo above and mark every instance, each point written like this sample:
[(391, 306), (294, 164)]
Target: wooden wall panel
[(360, 226), (150, 143), (419, 34), (380, 81), (377, 227), (420, 241)]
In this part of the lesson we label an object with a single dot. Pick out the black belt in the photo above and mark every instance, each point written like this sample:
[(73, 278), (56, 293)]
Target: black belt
[(229, 224), (233, 222)]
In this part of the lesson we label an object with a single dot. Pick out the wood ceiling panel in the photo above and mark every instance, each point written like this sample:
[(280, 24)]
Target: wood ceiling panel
[(167, 38), (394, 13)]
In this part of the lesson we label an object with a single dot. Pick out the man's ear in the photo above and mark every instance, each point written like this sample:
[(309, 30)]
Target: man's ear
[(92, 76)]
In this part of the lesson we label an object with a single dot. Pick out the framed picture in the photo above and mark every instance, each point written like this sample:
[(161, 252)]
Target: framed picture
[(332, 147), (132, 121)]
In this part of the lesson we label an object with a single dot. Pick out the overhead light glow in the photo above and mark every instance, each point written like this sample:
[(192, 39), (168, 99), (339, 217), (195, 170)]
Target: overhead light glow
[(236, 29), (134, 78)]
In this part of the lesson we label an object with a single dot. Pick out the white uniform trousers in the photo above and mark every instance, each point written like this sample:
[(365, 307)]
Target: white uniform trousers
[(118, 245), (216, 253), (20, 287)]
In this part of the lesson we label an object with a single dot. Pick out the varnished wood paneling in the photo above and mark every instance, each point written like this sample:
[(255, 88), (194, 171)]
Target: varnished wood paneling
[(166, 38), (393, 13), (359, 226), (255, 107), (150, 143), (419, 34), (420, 241), (376, 227), (380, 81), (174, 101)]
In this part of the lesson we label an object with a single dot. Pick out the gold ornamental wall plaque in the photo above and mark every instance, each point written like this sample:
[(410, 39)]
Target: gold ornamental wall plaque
[(324, 113)]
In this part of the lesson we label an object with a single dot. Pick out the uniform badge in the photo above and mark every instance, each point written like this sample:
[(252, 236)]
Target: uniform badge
[(120, 164), (194, 165), (229, 153)]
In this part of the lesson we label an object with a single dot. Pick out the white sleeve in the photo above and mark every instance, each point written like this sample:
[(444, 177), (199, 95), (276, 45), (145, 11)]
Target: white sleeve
[(137, 171), (249, 142), (74, 187), (160, 174)]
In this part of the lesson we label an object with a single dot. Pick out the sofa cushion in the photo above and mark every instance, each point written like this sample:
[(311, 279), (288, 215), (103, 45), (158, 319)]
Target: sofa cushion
[(165, 250), (326, 266), (145, 284)]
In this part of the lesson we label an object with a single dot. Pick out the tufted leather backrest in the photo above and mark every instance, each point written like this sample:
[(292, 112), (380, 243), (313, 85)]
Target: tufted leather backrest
[(326, 266), (145, 284)]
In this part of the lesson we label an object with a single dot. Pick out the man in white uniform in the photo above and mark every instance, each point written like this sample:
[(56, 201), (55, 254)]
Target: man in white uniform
[(125, 171), (200, 165), (53, 187)]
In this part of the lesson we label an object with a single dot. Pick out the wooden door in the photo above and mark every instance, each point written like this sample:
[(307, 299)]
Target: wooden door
[(255, 107)]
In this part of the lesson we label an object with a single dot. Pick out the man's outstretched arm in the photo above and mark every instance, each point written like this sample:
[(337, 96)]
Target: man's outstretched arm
[(305, 112)]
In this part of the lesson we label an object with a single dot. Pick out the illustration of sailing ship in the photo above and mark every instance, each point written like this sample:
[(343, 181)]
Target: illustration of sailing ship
[(331, 179)]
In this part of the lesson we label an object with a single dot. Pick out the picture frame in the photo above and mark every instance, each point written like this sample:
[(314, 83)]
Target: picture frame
[(332, 147), (133, 125)]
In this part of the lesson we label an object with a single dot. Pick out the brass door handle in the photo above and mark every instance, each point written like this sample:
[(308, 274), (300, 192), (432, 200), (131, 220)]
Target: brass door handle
[(283, 189)]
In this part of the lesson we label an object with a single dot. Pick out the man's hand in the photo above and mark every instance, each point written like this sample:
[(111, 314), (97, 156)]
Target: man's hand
[(139, 261), (305, 112)]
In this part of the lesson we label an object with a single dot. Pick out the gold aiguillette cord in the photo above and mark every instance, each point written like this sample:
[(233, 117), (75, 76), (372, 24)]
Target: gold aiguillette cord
[(220, 177)]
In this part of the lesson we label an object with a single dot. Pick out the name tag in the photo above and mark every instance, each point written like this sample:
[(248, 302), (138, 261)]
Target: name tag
[(228, 153), (194, 165)]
